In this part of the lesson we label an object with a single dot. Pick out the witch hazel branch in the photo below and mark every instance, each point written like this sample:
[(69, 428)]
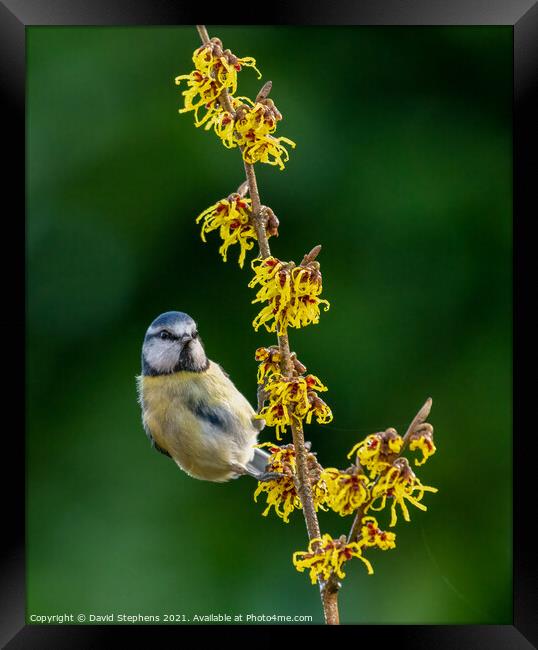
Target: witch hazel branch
[(379, 477)]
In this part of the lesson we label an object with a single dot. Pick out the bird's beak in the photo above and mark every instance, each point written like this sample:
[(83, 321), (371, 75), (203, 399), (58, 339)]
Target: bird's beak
[(186, 338)]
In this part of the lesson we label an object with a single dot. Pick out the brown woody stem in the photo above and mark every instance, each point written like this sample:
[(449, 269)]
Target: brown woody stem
[(257, 217), (354, 533), (204, 36), (329, 597)]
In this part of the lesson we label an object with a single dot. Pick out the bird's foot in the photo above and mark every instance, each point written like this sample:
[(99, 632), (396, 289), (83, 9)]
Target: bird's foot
[(268, 476), (259, 476)]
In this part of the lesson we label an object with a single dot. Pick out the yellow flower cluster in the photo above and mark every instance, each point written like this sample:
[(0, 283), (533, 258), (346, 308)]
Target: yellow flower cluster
[(232, 218), (399, 483), (291, 293), (351, 491), (222, 66), (377, 451), (347, 490), (291, 399), (281, 492), (326, 555), (251, 129), (251, 125), (215, 71)]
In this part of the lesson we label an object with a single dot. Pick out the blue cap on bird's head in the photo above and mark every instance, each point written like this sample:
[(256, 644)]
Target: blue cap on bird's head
[(172, 344), (172, 320)]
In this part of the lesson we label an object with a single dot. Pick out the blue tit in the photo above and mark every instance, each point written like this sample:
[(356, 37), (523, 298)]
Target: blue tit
[(191, 410)]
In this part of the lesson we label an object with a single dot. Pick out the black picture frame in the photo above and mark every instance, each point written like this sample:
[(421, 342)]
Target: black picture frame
[(15, 16)]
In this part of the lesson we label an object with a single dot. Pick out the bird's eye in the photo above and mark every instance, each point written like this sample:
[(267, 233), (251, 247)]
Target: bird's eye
[(165, 335)]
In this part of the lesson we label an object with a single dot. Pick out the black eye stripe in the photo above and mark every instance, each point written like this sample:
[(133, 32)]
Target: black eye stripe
[(166, 335)]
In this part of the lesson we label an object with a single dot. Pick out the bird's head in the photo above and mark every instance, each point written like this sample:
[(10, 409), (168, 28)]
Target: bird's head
[(171, 345)]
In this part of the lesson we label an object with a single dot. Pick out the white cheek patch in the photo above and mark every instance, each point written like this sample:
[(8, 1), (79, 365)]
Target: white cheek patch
[(160, 355)]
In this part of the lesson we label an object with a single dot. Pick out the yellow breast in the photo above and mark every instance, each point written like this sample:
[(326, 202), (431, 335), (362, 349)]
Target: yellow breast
[(173, 411)]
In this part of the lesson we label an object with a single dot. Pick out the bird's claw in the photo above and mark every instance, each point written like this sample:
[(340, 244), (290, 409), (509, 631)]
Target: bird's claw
[(269, 476)]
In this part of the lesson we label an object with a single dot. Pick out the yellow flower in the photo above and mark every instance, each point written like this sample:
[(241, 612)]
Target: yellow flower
[(368, 452), (222, 66), (251, 129), (394, 442), (291, 399), (223, 125), (268, 149), (281, 492), (202, 92), (232, 217), (399, 483), (318, 409), (276, 414), (256, 120), (287, 399), (372, 535), (275, 288), (215, 71), (282, 457), (291, 293), (270, 362), (377, 451), (347, 489), (326, 555), (281, 495), (423, 440)]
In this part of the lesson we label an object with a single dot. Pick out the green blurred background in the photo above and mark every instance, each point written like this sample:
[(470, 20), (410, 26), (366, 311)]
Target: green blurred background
[(403, 172)]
